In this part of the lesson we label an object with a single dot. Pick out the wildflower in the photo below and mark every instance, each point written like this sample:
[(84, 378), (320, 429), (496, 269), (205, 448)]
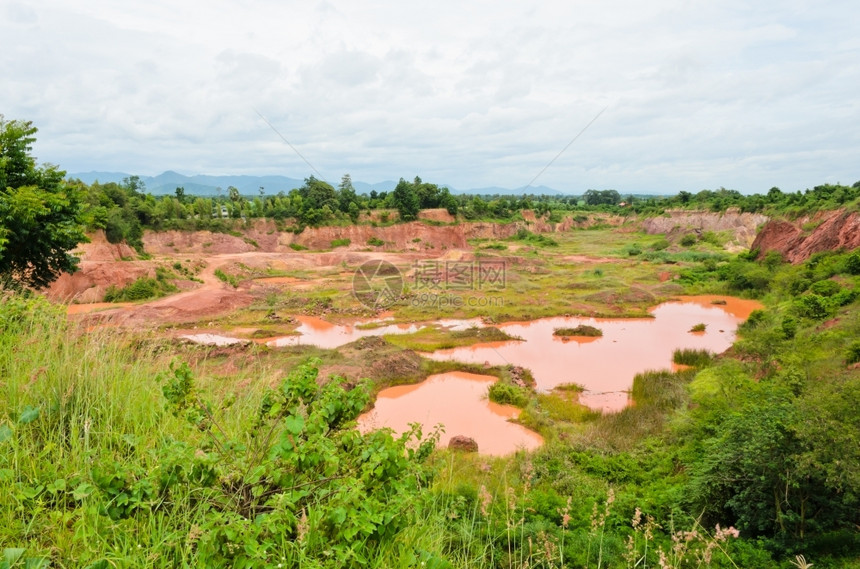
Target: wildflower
[(664, 562), (302, 528), (637, 518), (486, 499), (565, 514)]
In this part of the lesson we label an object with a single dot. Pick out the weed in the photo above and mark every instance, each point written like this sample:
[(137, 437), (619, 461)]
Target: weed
[(691, 357)]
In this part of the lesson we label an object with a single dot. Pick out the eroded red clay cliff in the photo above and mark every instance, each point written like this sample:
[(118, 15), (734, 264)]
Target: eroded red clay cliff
[(834, 230)]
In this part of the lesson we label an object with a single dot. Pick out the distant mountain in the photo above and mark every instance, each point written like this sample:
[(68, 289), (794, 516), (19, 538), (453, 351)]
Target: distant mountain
[(203, 185)]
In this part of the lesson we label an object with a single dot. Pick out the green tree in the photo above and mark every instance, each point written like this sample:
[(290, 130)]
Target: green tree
[(346, 194), (406, 200), (41, 218)]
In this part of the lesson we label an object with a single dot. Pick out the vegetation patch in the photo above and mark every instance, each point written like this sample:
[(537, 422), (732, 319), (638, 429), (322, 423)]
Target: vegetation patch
[(143, 288), (581, 330), (700, 327), (434, 338), (375, 242), (231, 280), (534, 238), (508, 394), (692, 357), (345, 242)]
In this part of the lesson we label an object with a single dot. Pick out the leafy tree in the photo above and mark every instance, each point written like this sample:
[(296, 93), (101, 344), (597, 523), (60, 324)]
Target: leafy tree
[(346, 194), (406, 200), (601, 197), (41, 217)]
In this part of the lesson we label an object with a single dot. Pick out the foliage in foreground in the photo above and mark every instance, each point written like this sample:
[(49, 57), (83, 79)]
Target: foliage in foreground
[(41, 217), (282, 478)]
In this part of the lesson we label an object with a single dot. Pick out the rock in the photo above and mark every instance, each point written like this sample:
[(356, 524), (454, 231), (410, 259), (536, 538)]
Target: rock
[(463, 443)]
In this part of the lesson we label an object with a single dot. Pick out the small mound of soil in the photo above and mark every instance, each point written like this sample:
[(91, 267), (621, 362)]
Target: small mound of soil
[(463, 443)]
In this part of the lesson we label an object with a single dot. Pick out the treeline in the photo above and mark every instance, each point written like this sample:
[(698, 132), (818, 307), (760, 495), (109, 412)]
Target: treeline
[(125, 209)]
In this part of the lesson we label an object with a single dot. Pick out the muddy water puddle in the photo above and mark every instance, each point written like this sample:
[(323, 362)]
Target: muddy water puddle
[(318, 332), (605, 366), (457, 400)]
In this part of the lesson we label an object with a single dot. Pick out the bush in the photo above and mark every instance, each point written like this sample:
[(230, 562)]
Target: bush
[(700, 327), (688, 240), (297, 247), (755, 318), (375, 242), (852, 355), (825, 288), (660, 244), (340, 243), (142, 289), (507, 394), (852, 263), (789, 327), (743, 276), (811, 306)]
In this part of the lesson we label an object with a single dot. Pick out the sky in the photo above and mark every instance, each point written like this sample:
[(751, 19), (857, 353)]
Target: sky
[(672, 94)]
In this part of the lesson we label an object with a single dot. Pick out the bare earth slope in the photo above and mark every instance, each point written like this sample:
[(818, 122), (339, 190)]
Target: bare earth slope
[(835, 230)]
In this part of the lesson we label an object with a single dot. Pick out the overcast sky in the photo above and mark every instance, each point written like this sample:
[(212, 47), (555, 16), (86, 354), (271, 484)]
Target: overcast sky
[(741, 94)]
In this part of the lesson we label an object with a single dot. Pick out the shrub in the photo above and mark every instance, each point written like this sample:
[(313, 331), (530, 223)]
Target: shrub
[(700, 327), (297, 247), (852, 355), (825, 288), (852, 263), (712, 238), (688, 240), (340, 243), (507, 394), (142, 289), (660, 244), (375, 241), (789, 327), (811, 306), (755, 318)]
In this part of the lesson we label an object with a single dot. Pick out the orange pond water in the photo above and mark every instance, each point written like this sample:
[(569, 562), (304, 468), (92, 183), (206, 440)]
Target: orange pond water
[(318, 332), (605, 366), (458, 401)]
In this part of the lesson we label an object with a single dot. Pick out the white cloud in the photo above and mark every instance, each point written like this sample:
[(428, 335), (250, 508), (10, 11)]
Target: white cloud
[(699, 94)]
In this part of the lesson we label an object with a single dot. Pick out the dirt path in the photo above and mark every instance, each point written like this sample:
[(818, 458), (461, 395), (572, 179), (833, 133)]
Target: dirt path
[(214, 297)]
